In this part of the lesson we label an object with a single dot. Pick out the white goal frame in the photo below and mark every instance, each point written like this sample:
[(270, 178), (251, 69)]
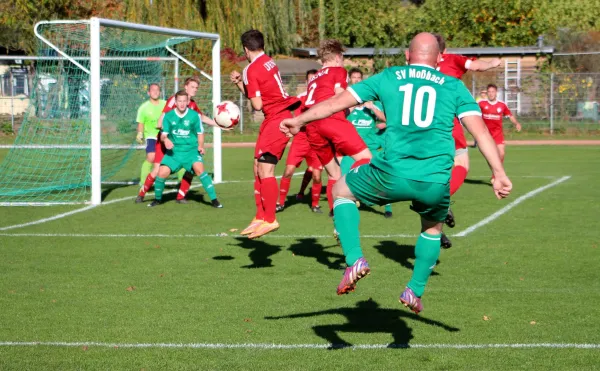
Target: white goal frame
[(94, 72)]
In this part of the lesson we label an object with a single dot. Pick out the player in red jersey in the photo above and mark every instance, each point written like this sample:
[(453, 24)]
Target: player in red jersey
[(262, 85), (191, 87), (299, 151), (493, 111), (333, 135), (456, 65)]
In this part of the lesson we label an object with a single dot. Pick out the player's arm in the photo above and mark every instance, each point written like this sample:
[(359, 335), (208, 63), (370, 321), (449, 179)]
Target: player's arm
[(159, 123), (207, 120), (165, 139), (201, 143), (480, 66), (378, 112), (236, 79), (514, 121), (487, 146), (140, 126)]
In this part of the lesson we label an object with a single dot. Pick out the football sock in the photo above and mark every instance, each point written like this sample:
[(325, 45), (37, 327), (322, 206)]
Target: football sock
[(346, 224), (330, 184), (457, 178), (159, 187), (284, 188), (305, 180), (186, 183), (387, 208), (268, 191), (346, 164), (207, 183), (146, 169), (147, 185), (427, 252), (260, 212), (316, 193), (180, 174)]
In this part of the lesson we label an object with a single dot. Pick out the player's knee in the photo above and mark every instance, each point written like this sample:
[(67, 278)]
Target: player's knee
[(289, 171), (316, 176), (150, 157)]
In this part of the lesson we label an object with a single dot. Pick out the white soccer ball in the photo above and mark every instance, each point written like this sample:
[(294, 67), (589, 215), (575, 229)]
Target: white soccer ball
[(227, 114)]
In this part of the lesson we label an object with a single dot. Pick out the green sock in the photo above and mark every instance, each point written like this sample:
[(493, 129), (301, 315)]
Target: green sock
[(180, 174), (427, 253), (146, 169), (346, 164), (346, 224), (387, 208), (207, 183), (159, 187)]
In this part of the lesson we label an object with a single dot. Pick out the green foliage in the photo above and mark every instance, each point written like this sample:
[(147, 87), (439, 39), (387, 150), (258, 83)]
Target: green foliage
[(382, 61), (6, 128)]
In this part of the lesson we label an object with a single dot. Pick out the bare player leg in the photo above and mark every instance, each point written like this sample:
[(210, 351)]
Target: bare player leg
[(316, 191), (284, 186)]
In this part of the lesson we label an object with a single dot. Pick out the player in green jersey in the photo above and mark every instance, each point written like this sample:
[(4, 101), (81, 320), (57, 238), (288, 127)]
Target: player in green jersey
[(369, 121), (420, 104), (147, 119), (183, 137)]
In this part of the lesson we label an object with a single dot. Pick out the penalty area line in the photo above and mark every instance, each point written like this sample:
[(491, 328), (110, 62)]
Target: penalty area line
[(272, 346), (508, 207)]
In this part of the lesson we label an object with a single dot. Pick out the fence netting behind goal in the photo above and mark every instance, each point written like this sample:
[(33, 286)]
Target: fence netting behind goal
[(50, 161)]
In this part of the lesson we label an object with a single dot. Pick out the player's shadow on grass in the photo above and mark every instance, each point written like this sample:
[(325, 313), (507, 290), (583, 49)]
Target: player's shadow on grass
[(260, 252), (402, 254), (107, 189), (478, 182), (368, 318), (197, 197), (371, 209), (308, 247)]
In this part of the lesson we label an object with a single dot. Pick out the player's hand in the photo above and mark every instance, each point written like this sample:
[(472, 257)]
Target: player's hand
[(140, 137), (518, 127), (381, 125), (502, 186), (201, 151), (496, 62), (290, 127), (369, 105), (168, 144), (235, 77)]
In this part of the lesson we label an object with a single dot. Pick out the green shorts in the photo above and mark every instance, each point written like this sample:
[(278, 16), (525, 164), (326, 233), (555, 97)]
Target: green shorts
[(185, 160), (372, 186)]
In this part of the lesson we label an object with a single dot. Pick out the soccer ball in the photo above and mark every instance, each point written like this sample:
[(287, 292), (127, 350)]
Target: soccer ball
[(227, 114)]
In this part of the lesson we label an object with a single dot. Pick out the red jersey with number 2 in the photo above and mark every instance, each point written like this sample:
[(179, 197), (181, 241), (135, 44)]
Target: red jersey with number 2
[(262, 79), (454, 65), (322, 87)]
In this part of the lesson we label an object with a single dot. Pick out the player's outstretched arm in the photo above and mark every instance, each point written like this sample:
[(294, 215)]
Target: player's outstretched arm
[(319, 111), (479, 65), (487, 146), (516, 123), (208, 121)]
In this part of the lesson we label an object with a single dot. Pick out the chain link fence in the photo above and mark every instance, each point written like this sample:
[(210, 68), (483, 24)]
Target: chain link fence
[(553, 103)]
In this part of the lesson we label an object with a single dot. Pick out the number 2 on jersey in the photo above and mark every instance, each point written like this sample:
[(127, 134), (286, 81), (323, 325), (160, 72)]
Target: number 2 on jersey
[(418, 107), (311, 91)]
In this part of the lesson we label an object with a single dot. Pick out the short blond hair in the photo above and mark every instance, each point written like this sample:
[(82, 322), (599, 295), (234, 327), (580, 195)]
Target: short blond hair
[(191, 79), (329, 49)]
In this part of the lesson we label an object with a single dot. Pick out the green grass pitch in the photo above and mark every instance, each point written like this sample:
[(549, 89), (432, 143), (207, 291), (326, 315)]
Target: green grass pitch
[(520, 292)]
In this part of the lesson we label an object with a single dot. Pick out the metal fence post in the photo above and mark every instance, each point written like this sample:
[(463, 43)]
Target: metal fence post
[(241, 113), (552, 103), (12, 102)]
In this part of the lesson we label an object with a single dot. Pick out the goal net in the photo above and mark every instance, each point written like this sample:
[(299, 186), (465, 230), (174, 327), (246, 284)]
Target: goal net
[(77, 140)]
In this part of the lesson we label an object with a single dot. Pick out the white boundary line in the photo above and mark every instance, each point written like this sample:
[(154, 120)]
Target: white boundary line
[(269, 346), (103, 235), (62, 215), (508, 207)]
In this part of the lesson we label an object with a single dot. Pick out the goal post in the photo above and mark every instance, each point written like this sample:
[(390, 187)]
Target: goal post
[(109, 60)]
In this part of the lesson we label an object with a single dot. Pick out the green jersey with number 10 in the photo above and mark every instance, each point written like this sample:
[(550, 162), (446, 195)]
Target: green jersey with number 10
[(420, 104)]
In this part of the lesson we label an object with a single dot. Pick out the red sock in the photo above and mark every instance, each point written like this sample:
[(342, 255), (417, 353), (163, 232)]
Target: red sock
[(330, 184), (185, 185), (305, 180), (316, 194), (147, 185), (268, 192), (284, 188), (457, 178), (260, 212)]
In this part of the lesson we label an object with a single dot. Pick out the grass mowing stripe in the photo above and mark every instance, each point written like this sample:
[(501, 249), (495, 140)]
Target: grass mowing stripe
[(508, 207), (267, 346)]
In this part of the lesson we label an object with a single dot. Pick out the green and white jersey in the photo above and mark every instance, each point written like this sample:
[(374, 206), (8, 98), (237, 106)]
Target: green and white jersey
[(148, 115), (364, 120), (183, 130), (420, 105)]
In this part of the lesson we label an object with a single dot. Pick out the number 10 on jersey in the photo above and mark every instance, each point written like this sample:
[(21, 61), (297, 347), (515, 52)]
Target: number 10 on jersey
[(417, 109)]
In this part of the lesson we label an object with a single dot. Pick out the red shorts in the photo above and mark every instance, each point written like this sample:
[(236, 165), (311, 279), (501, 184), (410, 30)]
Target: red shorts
[(270, 138), (160, 150), (301, 150), (458, 133), (329, 137), (498, 136)]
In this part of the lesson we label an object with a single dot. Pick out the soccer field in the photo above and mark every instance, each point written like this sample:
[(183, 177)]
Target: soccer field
[(124, 287)]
